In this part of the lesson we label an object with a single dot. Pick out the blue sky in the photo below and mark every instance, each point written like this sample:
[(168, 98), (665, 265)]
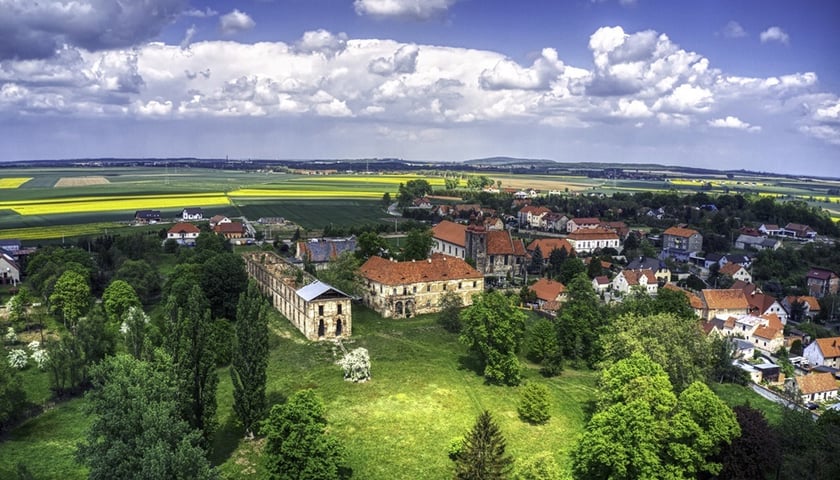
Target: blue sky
[(720, 84)]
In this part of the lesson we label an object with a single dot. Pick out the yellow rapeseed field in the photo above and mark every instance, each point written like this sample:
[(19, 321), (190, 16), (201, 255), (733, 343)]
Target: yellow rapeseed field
[(266, 193), (13, 182), (112, 203)]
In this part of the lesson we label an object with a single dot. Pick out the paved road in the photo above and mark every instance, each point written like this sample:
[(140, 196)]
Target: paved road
[(774, 397)]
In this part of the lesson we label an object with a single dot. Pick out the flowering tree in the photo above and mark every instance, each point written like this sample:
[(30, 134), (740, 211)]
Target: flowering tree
[(356, 365), (18, 359)]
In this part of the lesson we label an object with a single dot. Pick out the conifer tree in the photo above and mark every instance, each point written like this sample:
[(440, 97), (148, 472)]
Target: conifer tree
[(482, 456), (250, 358)]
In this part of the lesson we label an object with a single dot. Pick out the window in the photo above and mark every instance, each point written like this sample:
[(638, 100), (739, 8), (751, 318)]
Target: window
[(414, 289), (459, 285), (428, 288), (339, 309), (320, 310)]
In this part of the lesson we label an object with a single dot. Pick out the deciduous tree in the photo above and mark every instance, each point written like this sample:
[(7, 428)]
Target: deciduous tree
[(450, 312), (250, 358), (118, 297), (342, 272), (493, 328), (417, 244), (580, 322), (70, 297)]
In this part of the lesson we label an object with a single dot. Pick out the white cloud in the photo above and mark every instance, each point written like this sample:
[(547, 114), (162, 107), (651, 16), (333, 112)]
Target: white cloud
[(153, 108), (188, 36), (632, 109), (774, 34), (734, 123), (235, 22), (733, 29), (404, 60), (507, 74), (198, 13), (419, 9), (322, 41)]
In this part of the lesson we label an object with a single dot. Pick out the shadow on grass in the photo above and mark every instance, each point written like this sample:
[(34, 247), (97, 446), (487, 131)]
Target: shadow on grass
[(274, 398), (588, 408), (225, 441), (470, 363)]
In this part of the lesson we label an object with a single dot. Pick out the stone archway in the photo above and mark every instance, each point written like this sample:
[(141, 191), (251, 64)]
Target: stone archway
[(338, 327), (321, 328), (409, 308), (398, 309)]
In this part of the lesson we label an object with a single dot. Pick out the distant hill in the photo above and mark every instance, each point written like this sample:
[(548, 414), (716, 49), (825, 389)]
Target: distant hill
[(509, 161)]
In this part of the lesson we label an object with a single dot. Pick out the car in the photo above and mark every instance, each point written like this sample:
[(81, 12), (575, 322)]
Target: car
[(811, 406)]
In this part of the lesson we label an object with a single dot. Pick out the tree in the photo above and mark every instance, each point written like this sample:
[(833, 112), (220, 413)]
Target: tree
[(450, 311), (541, 466), (541, 342), (493, 329), (134, 327), (754, 453), (678, 345), (556, 259), (418, 244), (97, 339), (142, 277), (482, 455), (250, 358), (722, 352), (570, 269), (536, 261), (641, 429), (534, 404), (223, 278), (342, 272), (580, 322), (136, 431), (370, 244), (70, 297), (412, 189), (18, 307), (594, 269), (356, 365), (297, 445), (386, 199), (118, 298), (188, 341), (12, 394)]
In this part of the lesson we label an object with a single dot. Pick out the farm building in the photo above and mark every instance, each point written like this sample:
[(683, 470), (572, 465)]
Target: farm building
[(317, 309), (405, 289), (230, 230)]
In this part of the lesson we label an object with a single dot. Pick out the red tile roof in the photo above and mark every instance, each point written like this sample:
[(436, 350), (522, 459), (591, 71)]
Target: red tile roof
[(547, 290), (830, 347), (548, 244), (812, 302), (451, 232), (586, 221), (693, 299), (727, 299), (759, 302), (183, 227), (533, 210), (634, 277), (602, 280), (816, 383), (438, 267), (232, 227), (680, 232), (592, 234), (499, 242), (730, 269)]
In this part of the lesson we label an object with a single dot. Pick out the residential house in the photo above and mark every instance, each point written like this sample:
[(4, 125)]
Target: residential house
[(230, 230), (422, 203), (822, 282), (183, 233), (799, 231), (601, 283), (658, 267), (817, 387), (693, 300), (319, 251), (769, 334), (492, 222), (723, 303), (747, 288), (450, 238), (762, 304), (586, 240), (147, 216), (547, 245), (317, 309), (742, 260), (9, 269), (810, 307), (823, 351), (723, 328), (751, 242), (192, 214), (736, 272), (628, 280), (218, 220), (495, 253), (530, 216), (11, 246), (770, 229), (554, 222), (620, 228), (405, 289), (550, 294), (680, 243), (576, 224)]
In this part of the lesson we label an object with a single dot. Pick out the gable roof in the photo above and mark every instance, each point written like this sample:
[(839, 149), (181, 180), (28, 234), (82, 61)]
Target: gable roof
[(748, 288), (772, 329), (232, 227), (816, 383), (760, 301), (650, 263), (586, 221), (436, 268), (147, 214), (602, 280), (830, 347), (533, 210), (812, 302), (731, 269), (592, 234), (727, 299), (634, 277), (499, 242), (192, 210), (820, 274), (548, 244), (316, 289), (183, 227), (450, 232), (693, 299), (218, 218), (547, 290), (680, 232)]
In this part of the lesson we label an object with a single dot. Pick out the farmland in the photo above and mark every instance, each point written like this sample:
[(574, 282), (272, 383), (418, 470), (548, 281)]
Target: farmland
[(13, 182)]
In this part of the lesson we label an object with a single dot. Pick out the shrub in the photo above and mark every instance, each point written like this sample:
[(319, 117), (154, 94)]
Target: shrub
[(541, 466), (11, 336), (41, 357), (356, 365), (534, 403), (34, 346), (18, 359)]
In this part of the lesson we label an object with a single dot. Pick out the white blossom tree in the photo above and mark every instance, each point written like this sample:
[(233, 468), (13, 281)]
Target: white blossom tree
[(356, 365)]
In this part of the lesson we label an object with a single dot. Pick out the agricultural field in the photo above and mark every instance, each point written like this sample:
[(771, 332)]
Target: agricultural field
[(13, 182)]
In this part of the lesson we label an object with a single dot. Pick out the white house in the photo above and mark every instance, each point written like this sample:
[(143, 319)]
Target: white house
[(588, 240), (824, 351), (183, 233), (192, 214), (576, 224), (9, 269), (737, 272), (626, 280), (449, 238), (817, 387)]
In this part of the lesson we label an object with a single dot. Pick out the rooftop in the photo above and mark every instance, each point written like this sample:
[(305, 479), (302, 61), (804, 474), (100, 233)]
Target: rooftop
[(547, 290), (436, 268), (830, 347), (816, 383), (680, 232), (450, 232), (727, 299)]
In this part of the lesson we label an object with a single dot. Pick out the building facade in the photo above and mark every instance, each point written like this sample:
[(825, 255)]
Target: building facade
[(680, 243), (317, 309), (587, 240)]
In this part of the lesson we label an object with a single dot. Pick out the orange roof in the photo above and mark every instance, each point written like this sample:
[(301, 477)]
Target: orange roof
[(760, 302), (680, 232), (633, 277), (816, 383), (451, 232), (534, 210), (730, 269), (812, 302), (548, 244), (438, 267), (499, 242), (547, 290), (773, 329), (693, 299), (725, 299), (586, 221), (592, 234), (183, 227), (232, 227), (830, 347)]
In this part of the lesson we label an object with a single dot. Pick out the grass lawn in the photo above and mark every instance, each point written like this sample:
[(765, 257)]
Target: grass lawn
[(735, 395)]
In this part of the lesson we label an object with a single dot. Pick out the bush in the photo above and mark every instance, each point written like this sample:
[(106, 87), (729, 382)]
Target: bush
[(534, 403), (541, 466), (356, 365), (18, 359), (11, 336), (41, 357)]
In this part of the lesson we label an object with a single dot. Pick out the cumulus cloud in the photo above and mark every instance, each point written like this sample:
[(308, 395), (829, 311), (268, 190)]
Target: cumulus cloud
[(774, 34), (507, 74), (733, 29), (822, 121), (198, 13), (235, 22), (32, 30), (404, 60), (322, 41), (734, 123), (418, 9)]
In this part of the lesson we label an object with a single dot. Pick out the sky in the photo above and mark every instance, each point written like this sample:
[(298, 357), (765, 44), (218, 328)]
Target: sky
[(729, 84)]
